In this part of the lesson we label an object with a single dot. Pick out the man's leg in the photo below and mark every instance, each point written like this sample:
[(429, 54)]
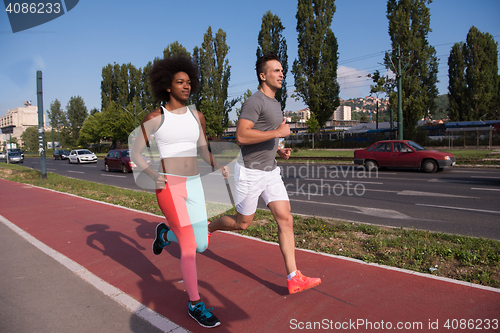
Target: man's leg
[(282, 215), (231, 222), (296, 282)]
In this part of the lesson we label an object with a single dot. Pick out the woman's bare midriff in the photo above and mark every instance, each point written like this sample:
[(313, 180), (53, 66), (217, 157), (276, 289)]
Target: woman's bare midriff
[(181, 166)]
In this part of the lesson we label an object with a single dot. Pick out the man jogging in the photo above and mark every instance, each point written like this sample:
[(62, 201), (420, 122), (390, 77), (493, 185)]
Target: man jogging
[(259, 128)]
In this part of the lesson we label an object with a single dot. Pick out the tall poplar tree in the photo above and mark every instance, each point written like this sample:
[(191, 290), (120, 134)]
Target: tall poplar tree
[(409, 25), (109, 85), (56, 115), (271, 40), (175, 48), (214, 81), (315, 70), (481, 75), (473, 78), (120, 83), (147, 98), (76, 113), (459, 109)]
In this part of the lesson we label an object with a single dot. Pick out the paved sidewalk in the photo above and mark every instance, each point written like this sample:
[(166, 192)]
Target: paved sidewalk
[(243, 279)]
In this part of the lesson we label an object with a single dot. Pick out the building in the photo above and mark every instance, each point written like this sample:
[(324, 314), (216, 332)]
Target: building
[(17, 120), (342, 113), (304, 115)]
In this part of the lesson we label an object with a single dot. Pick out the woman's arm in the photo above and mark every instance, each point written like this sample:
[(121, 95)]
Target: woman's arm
[(148, 126), (203, 145)]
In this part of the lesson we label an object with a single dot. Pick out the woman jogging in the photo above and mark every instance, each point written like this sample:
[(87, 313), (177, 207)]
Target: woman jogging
[(179, 133)]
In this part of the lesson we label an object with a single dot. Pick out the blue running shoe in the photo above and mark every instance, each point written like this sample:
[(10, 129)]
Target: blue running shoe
[(159, 243), (203, 315)]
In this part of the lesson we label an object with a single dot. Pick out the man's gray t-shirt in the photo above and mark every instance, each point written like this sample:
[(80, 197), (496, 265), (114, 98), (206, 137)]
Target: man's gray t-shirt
[(265, 113)]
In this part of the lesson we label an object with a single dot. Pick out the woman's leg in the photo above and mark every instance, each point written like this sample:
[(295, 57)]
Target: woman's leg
[(172, 202)]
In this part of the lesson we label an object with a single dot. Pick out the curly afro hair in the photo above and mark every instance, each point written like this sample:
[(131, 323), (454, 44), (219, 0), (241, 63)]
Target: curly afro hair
[(163, 71)]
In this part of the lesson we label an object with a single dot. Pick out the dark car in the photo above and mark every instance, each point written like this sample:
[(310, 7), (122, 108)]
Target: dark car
[(14, 157), (119, 159), (16, 150), (61, 154), (402, 154)]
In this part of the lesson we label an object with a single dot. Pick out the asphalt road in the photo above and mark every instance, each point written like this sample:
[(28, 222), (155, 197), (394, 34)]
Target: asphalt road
[(458, 201)]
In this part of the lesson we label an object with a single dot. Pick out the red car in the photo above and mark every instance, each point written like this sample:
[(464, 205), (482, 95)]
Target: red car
[(402, 154), (118, 159)]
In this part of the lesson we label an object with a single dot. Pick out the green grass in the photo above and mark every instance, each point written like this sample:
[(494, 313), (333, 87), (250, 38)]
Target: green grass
[(475, 260), (323, 153)]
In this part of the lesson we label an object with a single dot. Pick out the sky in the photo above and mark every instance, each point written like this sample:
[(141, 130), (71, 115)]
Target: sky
[(72, 49)]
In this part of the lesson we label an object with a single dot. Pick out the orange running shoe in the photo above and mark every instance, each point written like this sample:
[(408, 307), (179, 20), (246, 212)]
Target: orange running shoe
[(300, 283)]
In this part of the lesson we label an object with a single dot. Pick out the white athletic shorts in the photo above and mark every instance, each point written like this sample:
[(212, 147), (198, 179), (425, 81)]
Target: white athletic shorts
[(252, 183)]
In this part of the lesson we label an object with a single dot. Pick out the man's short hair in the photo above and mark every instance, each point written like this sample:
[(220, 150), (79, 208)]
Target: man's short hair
[(260, 66)]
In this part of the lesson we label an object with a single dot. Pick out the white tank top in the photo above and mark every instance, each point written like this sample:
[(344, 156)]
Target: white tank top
[(178, 134)]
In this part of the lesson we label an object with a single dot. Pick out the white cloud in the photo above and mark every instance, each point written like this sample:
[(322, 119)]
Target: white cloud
[(353, 82)]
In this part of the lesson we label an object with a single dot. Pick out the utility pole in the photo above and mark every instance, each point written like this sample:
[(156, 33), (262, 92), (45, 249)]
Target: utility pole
[(400, 107), (41, 135)]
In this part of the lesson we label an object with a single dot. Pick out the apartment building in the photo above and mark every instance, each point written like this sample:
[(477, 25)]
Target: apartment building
[(17, 120)]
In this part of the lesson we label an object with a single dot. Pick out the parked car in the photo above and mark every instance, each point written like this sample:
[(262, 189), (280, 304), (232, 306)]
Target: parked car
[(82, 156), (14, 157), (2, 155), (119, 159), (402, 154), (61, 154)]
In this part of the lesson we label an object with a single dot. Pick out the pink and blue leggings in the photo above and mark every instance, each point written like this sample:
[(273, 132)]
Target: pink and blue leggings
[(183, 204)]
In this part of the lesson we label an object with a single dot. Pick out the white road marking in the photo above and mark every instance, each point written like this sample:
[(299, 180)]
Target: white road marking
[(451, 181), (433, 194), (116, 176), (385, 213), (75, 171), (485, 189), (462, 208), (342, 181)]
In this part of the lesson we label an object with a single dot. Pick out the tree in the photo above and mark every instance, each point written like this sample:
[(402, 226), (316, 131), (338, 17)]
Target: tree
[(481, 74), (246, 95), (495, 110), (442, 107), (57, 118), (91, 131), (315, 70), (409, 25), (473, 77), (174, 49), (378, 88), (120, 83), (147, 98), (214, 81), (109, 85), (76, 113), (271, 40), (312, 126), (459, 109), (30, 138), (116, 123)]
